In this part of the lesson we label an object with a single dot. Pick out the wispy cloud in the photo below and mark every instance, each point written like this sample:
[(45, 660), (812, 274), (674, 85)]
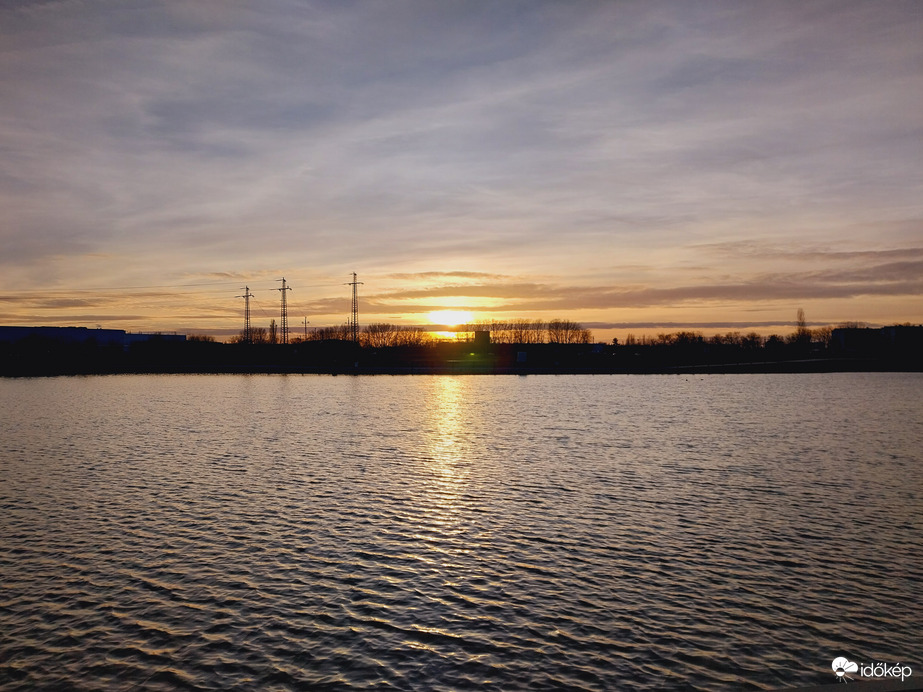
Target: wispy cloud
[(894, 279), (444, 276), (718, 147)]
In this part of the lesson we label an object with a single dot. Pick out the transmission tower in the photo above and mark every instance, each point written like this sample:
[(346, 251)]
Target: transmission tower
[(284, 325), (248, 334), (354, 314)]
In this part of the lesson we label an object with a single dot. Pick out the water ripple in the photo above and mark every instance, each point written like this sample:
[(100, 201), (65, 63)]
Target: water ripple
[(457, 533)]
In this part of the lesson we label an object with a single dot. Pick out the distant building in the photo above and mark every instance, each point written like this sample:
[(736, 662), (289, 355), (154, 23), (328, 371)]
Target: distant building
[(900, 340), (81, 335), (904, 337), (854, 340)]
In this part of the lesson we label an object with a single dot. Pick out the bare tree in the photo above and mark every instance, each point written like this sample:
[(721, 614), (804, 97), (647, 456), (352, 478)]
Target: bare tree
[(666, 339), (413, 336), (751, 341), (773, 342), (379, 335), (567, 332), (500, 332), (525, 331), (539, 331), (520, 331), (385, 335), (329, 333), (733, 338), (802, 334), (824, 335)]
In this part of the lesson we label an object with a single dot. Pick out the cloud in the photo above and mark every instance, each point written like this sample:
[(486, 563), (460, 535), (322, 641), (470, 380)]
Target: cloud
[(894, 279), (737, 250), (727, 151), (429, 276), (50, 319), (666, 325)]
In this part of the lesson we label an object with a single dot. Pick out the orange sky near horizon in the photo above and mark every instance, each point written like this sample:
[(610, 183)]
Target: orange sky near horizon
[(215, 307)]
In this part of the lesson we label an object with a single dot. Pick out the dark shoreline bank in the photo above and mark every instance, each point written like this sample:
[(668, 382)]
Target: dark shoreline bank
[(37, 358), (783, 367)]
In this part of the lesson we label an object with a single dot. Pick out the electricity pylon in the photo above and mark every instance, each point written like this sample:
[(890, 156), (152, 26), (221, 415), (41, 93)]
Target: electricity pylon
[(354, 314), (284, 325), (248, 334)]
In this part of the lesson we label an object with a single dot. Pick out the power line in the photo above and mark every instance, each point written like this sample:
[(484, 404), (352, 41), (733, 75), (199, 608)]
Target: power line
[(260, 306), (114, 289), (130, 288)]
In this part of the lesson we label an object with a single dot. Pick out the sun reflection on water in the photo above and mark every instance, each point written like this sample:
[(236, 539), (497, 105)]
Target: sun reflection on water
[(447, 467)]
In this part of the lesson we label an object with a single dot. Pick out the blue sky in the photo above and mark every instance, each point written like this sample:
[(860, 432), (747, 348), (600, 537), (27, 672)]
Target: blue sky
[(636, 166)]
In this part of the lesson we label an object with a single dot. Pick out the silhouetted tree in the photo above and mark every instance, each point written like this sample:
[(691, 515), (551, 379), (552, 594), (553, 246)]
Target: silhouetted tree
[(688, 339), (539, 331), (728, 339), (380, 335), (521, 331), (751, 341), (414, 336), (525, 331), (802, 335), (567, 332), (385, 335), (774, 342), (666, 339), (340, 332), (823, 335)]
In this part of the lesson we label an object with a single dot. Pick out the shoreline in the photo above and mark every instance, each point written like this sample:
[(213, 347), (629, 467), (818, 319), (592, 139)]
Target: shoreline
[(809, 366)]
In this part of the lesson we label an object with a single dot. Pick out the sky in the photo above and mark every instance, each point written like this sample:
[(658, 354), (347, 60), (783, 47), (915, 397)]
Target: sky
[(636, 166)]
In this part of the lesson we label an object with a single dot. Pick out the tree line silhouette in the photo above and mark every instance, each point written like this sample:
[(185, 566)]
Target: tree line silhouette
[(803, 338), (389, 335), (517, 346)]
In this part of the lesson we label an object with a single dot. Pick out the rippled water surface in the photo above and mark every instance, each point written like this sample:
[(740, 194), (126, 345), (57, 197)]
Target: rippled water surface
[(600, 532)]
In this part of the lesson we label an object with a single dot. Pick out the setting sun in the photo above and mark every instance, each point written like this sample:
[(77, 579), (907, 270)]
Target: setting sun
[(449, 318)]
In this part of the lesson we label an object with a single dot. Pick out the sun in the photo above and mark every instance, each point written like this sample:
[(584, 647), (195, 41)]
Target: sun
[(449, 318)]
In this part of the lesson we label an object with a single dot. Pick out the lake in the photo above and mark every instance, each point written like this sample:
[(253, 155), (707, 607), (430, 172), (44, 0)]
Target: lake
[(451, 533)]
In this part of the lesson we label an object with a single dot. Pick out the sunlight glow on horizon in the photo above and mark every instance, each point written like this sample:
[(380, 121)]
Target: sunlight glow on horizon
[(450, 318)]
